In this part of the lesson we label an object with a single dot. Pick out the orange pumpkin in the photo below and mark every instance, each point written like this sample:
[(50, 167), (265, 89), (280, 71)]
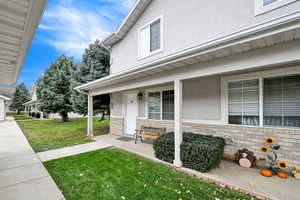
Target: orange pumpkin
[(282, 175), (266, 173)]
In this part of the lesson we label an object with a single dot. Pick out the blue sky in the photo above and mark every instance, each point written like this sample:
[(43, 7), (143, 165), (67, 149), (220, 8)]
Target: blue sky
[(67, 27)]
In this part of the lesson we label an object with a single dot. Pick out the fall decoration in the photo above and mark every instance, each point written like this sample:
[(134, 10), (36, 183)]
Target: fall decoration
[(264, 149), (266, 173), (296, 172), (274, 165), (269, 140), (282, 175), (282, 165), (245, 158)]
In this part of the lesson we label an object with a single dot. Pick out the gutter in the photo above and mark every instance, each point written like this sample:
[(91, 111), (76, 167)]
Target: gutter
[(203, 46)]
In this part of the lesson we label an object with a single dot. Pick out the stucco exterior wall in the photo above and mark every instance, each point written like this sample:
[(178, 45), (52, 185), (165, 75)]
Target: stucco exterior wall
[(201, 98), (186, 24)]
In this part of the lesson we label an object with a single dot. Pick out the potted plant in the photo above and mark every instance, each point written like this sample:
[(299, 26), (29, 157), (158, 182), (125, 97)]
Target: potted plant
[(296, 172)]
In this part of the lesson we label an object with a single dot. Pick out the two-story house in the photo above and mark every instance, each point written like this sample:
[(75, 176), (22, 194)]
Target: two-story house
[(227, 68)]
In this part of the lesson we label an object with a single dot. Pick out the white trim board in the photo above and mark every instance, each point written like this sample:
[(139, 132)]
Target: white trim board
[(260, 8)]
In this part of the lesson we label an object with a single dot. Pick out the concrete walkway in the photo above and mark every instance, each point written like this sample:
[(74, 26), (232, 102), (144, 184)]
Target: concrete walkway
[(22, 175), (78, 149)]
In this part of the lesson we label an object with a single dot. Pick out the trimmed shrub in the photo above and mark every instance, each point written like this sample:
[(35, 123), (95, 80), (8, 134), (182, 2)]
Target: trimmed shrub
[(198, 152), (38, 115), (33, 114)]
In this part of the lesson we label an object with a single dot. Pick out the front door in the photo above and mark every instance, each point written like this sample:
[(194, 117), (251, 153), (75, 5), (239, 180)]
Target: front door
[(131, 113)]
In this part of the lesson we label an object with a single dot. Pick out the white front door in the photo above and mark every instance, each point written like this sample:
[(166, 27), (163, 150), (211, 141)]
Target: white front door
[(131, 113)]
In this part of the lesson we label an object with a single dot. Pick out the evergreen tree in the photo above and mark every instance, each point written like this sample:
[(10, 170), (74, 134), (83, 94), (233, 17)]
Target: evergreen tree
[(95, 65), (21, 96), (53, 88)]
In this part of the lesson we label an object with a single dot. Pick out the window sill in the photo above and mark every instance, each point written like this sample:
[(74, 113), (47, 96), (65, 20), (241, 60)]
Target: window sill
[(150, 54)]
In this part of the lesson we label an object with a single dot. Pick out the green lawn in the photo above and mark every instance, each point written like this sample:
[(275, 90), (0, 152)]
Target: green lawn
[(21, 117), (45, 135), (111, 174)]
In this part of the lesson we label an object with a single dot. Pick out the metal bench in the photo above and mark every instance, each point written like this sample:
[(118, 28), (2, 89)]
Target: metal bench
[(150, 132)]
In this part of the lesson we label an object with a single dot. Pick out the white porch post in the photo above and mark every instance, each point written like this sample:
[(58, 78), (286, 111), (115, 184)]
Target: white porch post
[(178, 121), (90, 132)]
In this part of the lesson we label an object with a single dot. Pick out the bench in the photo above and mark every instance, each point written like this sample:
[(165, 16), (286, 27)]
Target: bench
[(150, 132)]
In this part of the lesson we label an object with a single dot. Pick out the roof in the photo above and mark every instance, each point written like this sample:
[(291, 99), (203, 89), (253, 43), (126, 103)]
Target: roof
[(5, 98), (29, 102), (279, 30), (19, 20), (128, 23)]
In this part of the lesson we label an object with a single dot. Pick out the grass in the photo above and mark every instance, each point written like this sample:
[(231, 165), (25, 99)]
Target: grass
[(112, 174), (21, 117), (45, 135)]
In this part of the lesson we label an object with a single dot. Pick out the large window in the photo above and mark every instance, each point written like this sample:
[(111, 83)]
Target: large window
[(150, 39), (161, 105), (280, 102)]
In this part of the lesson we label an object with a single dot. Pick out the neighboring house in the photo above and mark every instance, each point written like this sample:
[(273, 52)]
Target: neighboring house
[(3, 107), (31, 107), (225, 68)]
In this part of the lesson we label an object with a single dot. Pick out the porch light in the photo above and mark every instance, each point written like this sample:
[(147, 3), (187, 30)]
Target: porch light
[(140, 96)]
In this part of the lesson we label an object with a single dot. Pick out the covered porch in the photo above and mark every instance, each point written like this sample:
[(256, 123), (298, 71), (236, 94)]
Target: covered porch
[(199, 79)]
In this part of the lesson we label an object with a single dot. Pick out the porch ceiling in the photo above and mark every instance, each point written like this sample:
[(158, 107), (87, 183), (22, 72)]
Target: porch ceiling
[(268, 34), (18, 22), (7, 91)]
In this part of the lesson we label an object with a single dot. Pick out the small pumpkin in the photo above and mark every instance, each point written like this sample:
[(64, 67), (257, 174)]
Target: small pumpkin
[(282, 175), (266, 173)]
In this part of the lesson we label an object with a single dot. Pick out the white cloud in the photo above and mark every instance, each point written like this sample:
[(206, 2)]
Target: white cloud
[(70, 29)]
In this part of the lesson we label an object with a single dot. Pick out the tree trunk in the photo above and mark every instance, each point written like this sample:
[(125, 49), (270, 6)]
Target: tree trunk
[(64, 116)]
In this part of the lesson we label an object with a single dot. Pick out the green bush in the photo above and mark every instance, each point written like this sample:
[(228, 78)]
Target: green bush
[(198, 152)]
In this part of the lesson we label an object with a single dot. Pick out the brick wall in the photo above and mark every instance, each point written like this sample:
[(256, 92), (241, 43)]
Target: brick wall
[(116, 126), (244, 137)]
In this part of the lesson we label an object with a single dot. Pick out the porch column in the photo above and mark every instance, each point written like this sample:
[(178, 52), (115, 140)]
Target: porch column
[(178, 121), (90, 132)]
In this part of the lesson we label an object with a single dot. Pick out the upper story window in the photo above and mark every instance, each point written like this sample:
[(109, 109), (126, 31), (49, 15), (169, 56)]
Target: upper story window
[(263, 6), (150, 38)]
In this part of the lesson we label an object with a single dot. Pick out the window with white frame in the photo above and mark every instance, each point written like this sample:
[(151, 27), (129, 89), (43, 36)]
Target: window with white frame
[(243, 102), (280, 103), (161, 105), (262, 6), (150, 38)]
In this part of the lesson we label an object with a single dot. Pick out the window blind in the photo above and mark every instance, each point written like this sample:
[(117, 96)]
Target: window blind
[(282, 101), (155, 36), (243, 102), (154, 105)]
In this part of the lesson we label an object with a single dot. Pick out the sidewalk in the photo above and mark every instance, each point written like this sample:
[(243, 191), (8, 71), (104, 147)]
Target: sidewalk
[(22, 175)]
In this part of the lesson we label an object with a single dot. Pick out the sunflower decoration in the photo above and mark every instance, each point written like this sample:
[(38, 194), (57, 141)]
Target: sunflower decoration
[(270, 148), (282, 165), (264, 149), (269, 140)]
